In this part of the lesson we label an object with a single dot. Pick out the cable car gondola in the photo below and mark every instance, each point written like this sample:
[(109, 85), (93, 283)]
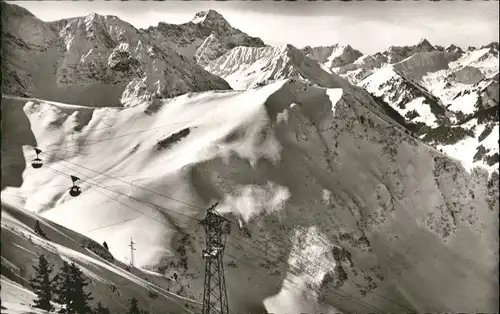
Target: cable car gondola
[(75, 189), (37, 162)]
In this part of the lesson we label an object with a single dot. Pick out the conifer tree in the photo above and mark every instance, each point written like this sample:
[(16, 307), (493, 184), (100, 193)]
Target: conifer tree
[(105, 245), (42, 284), (100, 309), (71, 291), (81, 298), (133, 307), (64, 288)]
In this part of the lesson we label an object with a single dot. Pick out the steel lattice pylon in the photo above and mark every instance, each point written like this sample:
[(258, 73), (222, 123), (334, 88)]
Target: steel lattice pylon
[(214, 294)]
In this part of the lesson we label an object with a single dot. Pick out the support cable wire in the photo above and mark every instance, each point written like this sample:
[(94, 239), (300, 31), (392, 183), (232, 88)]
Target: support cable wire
[(159, 194), (153, 206), (348, 296), (157, 206), (234, 223), (146, 215), (184, 202)]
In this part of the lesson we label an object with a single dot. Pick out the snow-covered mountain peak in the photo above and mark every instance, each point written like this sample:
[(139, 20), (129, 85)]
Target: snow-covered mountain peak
[(398, 53), (103, 20), (453, 49), (91, 60), (9, 9), (208, 16), (246, 67), (424, 44), (91, 17), (485, 59), (333, 56), (188, 37), (21, 27), (493, 46)]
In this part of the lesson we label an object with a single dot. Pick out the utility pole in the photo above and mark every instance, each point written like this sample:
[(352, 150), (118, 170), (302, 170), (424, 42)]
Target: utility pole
[(214, 295), (132, 249)]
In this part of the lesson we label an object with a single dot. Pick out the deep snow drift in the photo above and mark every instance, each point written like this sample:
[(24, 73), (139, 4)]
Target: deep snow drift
[(338, 207)]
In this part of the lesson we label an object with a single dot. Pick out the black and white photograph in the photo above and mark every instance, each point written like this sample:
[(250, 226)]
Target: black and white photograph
[(250, 157)]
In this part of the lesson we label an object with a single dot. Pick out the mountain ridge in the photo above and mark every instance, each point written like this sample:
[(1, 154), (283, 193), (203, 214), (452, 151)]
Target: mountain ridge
[(82, 69), (187, 37)]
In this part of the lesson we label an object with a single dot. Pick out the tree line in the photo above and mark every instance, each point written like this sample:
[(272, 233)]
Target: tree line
[(67, 288)]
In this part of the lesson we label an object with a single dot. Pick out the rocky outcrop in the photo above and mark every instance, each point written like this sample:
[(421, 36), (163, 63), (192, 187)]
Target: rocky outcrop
[(188, 37), (467, 75), (210, 49), (247, 67), (397, 53), (333, 56)]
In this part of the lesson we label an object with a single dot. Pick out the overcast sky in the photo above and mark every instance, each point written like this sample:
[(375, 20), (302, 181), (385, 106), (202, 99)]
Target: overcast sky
[(367, 26)]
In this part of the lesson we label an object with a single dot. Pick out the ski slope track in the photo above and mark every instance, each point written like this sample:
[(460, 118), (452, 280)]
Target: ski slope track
[(338, 208)]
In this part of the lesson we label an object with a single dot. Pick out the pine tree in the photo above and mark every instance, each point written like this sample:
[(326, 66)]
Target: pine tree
[(100, 309), (42, 284), (81, 298), (64, 288), (133, 307), (105, 245), (71, 291)]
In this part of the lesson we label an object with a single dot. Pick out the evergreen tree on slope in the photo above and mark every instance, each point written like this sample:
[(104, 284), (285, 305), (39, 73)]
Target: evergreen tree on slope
[(64, 288), (42, 285), (81, 298), (100, 309), (133, 307), (71, 291)]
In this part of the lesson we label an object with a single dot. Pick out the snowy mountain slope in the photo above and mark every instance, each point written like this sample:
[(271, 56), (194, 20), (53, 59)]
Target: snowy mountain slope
[(92, 60), (353, 65), (439, 91), (400, 91), (398, 53), (445, 115), (420, 64), (485, 59), (348, 202), (189, 39), (16, 298), (247, 67), (415, 61), (110, 282), (333, 56)]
